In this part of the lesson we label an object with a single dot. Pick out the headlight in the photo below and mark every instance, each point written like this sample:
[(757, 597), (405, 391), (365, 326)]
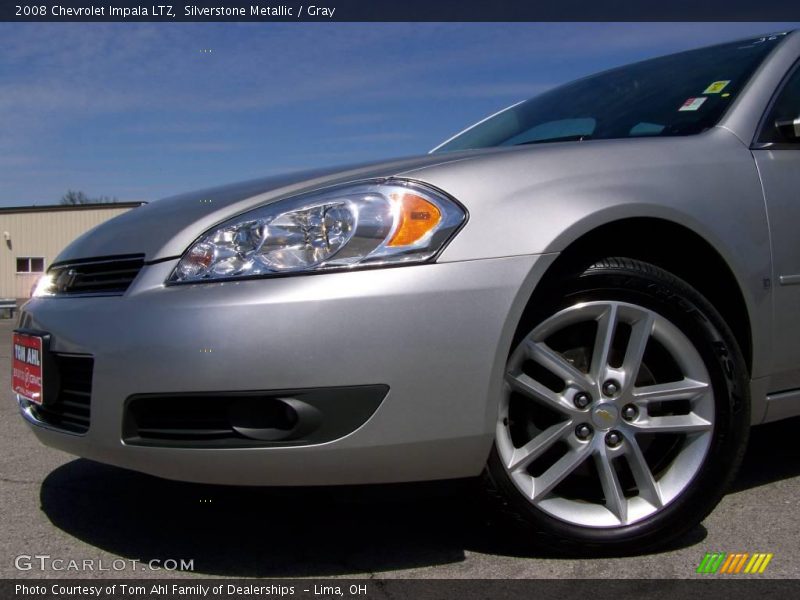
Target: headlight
[(45, 286), (343, 227)]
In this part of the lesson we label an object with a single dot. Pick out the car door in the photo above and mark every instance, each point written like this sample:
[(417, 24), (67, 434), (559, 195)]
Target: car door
[(777, 154)]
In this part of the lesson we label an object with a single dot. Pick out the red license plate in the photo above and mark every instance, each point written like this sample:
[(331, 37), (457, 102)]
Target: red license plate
[(27, 367)]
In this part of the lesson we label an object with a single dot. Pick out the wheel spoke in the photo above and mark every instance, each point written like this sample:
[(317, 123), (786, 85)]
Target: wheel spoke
[(641, 331), (606, 326), (528, 386), (557, 364), (648, 487), (690, 423), (557, 472), (612, 490), (525, 455), (686, 389)]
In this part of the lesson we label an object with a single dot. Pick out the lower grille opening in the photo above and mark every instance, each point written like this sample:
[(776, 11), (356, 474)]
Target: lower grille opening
[(249, 419), (201, 418), (71, 408)]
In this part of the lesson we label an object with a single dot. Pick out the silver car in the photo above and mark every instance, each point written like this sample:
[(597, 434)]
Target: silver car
[(586, 299)]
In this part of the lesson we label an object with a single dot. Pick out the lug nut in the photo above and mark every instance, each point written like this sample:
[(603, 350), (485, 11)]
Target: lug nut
[(610, 388), (629, 412), (583, 431), (582, 400), (613, 439)]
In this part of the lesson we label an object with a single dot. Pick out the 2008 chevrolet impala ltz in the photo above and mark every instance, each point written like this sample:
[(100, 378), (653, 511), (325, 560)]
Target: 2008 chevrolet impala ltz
[(586, 299)]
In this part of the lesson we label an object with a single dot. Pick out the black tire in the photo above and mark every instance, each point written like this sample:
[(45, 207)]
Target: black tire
[(634, 282)]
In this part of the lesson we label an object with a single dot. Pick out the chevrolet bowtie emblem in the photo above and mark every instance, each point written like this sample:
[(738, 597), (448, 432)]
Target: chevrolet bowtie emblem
[(604, 414)]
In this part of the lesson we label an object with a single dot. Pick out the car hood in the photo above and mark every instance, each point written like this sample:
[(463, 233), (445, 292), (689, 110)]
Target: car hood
[(165, 228)]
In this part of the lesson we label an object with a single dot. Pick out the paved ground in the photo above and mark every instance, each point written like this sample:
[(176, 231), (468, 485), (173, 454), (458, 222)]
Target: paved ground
[(71, 508)]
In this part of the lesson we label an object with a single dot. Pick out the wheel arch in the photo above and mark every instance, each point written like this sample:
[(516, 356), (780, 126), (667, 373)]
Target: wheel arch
[(653, 239)]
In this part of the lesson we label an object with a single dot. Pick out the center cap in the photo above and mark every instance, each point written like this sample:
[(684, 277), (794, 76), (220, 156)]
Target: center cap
[(605, 416)]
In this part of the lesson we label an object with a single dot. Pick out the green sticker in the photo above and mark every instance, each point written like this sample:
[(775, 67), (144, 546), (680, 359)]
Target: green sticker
[(717, 87)]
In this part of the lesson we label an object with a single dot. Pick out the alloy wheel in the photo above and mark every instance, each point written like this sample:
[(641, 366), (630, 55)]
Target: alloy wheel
[(607, 414)]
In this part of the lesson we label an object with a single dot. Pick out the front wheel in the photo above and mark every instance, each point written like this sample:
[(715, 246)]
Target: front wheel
[(624, 413)]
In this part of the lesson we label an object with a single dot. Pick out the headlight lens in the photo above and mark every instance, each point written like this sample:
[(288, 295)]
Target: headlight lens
[(368, 223)]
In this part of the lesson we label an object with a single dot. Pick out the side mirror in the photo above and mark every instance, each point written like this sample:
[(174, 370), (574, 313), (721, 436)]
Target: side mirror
[(788, 129)]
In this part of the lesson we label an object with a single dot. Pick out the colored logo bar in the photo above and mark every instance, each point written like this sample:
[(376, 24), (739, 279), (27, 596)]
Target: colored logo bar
[(734, 563)]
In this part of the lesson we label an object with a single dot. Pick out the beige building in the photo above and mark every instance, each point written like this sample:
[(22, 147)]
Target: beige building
[(32, 236)]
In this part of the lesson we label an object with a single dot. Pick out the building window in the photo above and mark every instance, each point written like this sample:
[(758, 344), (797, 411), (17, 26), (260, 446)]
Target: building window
[(30, 264)]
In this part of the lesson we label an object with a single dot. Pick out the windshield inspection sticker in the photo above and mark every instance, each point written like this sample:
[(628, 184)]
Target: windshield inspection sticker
[(717, 87), (692, 104)]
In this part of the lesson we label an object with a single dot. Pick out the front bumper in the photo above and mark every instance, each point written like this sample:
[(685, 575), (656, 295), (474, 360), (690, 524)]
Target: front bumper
[(437, 335)]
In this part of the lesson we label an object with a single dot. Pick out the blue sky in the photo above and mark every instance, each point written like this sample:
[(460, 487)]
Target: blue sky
[(139, 111)]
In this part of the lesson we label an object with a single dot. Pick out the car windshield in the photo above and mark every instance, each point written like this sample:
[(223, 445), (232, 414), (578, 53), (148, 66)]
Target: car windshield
[(680, 94)]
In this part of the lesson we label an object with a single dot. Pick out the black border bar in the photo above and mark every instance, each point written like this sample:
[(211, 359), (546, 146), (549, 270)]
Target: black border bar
[(730, 588), (397, 10)]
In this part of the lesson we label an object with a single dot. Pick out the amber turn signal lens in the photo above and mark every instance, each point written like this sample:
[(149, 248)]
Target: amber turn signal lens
[(417, 217)]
